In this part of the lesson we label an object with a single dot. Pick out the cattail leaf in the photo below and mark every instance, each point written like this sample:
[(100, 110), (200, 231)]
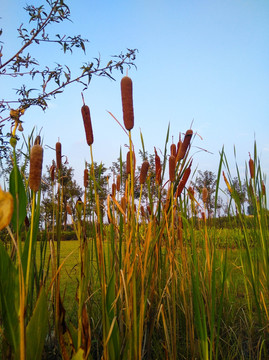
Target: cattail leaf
[(9, 295), (79, 355), (20, 194), (37, 328), (114, 341)]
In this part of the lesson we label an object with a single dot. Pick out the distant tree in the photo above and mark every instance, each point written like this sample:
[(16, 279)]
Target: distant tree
[(101, 179), (70, 191), (119, 167), (208, 180), (240, 191), (45, 83)]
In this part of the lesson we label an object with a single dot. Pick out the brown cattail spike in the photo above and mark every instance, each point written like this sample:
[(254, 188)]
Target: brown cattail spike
[(85, 111), (172, 168), (118, 183), (128, 162), (127, 102), (186, 142), (68, 210), (86, 178), (123, 204), (251, 167), (37, 140), (183, 181), (263, 189), (114, 186), (173, 150), (204, 194), (36, 160), (158, 169), (58, 155), (52, 172), (144, 172)]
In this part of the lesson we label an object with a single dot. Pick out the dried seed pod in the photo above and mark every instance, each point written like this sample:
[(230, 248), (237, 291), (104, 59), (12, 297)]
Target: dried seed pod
[(172, 168), (118, 182), (251, 168), (128, 162), (59, 155), (86, 178), (173, 150), (204, 194), (149, 209), (20, 128), (183, 181), (36, 160), (127, 102), (144, 172), (85, 111), (143, 214), (158, 169), (186, 142), (114, 187)]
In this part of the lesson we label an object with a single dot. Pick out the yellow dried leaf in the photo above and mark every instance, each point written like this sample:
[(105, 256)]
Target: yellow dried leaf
[(6, 208)]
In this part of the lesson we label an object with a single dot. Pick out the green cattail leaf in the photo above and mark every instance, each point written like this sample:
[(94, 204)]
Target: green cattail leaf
[(143, 146), (114, 341), (18, 192), (37, 328), (79, 355), (9, 295)]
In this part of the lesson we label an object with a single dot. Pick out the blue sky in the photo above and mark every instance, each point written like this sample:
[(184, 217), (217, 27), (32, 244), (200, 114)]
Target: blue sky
[(204, 62)]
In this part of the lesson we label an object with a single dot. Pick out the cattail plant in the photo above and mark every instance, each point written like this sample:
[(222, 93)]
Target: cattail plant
[(172, 168), (37, 140), (127, 102), (114, 188), (158, 169), (183, 181), (128, 162), (36, 160), (58, 155), (118, 182), (144, 172), (173, 150), (251, 167), (123, 203), (52, 172), (204, 195), (85, 111), (185, 144), (86, 178)]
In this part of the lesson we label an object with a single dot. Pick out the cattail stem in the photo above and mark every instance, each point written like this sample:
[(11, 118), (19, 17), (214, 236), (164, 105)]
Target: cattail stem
[(30, 243)]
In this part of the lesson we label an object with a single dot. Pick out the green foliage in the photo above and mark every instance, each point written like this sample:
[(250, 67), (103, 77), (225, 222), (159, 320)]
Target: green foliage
[(37, 328)]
